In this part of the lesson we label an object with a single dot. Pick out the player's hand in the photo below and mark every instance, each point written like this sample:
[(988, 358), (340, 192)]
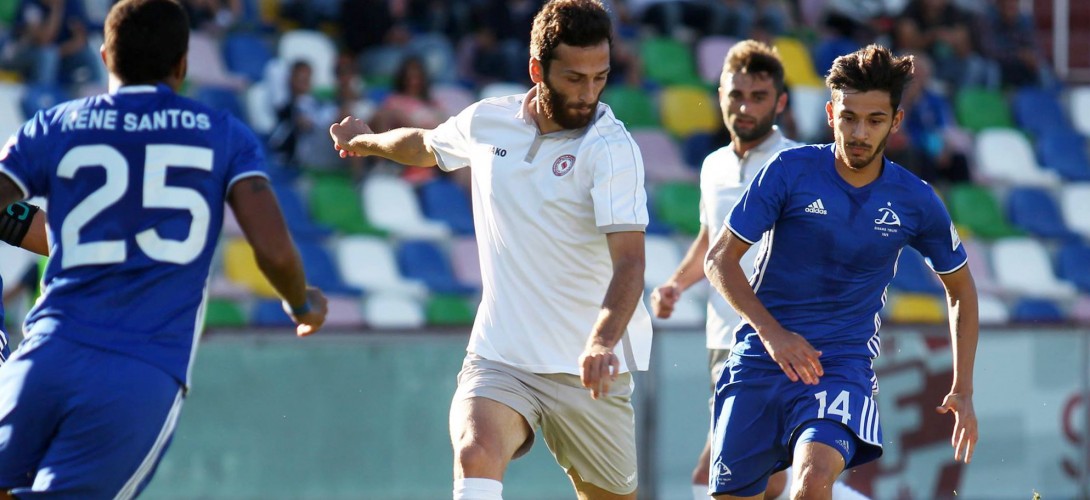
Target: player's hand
[(965, 434), (344, 131), (796, 357), (313, 320), (663, 299), (598, 368)]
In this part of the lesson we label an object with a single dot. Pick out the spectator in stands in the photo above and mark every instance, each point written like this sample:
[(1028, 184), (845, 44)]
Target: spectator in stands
[(49, 43), (312, 13), (946, 33), (410, 105), (295, 129), (369, 24), (1011, 40), (352, 101), (213, 16), (481, 59)]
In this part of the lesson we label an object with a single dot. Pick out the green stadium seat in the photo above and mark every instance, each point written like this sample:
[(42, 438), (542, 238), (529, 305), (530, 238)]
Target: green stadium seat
[(976, 209), (221, 313), (978, 109), (668, 62), (632, 106), (678, 204), (7, 11), (335, 202), (448, 310)]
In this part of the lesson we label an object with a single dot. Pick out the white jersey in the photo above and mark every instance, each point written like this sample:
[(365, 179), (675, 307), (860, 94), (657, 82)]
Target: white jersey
[(723, 179), (542, 206)]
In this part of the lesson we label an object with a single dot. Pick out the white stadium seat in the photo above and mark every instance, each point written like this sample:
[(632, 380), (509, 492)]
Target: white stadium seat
[(368, 262), (1022, 265), (391, 204), (1005, 156)]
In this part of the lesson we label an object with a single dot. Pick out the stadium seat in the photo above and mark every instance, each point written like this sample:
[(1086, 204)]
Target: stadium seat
[(1022, 265), (975, 208), (11, 114), (206, 66), (322, 271), (662, 159), (344, 312), (260, 112), (829, 49), (246, 54), (807, 107), (448, 310), (220, 287), (1079, 109), (1031, 310), (1033, 211), (1038, 111), (391, 205), (914, 275), (980, 266), (221, 98), (916, 308), (1080, 309), (500, 89), (662, 255), (1065, 153), (688, 109), (39, 97), (978, 109), (270, 313), (656, 226), (240, 266), (299, 222), (696, 148), (314, 47), (668, 62), (1075, 205), (678, 204), (465, 262), (231, 229), (451, 98), (1004, 155), (424, 262), (1073, 264), (335, 203), (711, 52), (368, 263), (798, 66), (443, 200), (391, 311), (992, 310), (222, 313), (632, 106)]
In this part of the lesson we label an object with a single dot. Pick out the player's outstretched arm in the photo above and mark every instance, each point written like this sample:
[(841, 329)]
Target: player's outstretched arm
[(23, 225), (36, 240), (688, 272), (407, 146), (796, 357), (598, 365), (261, 221), (961, 303)]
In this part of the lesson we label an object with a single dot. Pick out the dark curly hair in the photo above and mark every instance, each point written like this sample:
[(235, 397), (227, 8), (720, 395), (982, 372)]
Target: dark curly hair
[(873, 67), (579, 23)]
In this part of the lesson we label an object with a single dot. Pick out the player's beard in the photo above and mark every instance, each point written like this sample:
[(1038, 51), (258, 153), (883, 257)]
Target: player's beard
[(860, 164), (559, 110), (761, 127)]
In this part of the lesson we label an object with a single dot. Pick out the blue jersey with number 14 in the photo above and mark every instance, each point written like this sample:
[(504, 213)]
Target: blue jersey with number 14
[(135, 182)]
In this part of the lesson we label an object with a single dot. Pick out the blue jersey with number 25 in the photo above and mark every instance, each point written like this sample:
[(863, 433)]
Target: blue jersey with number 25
[(135, 182)]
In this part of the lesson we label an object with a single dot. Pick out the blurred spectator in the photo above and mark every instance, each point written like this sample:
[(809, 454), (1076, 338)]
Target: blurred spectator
[(49, 43), (213, 16), (1011, 40), (482, 60), (946, 33), (351, 100), (299, 137), (410, 105), (310, 14), (369, 24)]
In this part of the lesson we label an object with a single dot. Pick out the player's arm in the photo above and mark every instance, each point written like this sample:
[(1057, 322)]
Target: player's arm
[(9, 192), (23, 225), (407, 146), (688, 273), (259, 216), (961, 303), (598, 364), (797, 358)]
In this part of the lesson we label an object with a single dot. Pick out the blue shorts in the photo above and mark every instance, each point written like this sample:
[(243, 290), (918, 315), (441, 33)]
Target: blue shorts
[(79, 422), (759, 414)]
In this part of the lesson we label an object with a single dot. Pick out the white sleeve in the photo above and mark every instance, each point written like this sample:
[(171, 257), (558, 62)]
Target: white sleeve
[(451, 141), (620, 202)]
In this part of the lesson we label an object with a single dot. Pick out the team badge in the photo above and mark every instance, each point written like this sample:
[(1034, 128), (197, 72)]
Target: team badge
[(563, 165)]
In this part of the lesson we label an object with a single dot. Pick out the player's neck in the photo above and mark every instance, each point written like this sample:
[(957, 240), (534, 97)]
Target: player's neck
[(742, 147), (116, 83), (544, 124), (862, 176)]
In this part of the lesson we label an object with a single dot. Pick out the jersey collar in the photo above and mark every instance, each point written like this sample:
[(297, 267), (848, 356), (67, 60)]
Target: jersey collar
[(142, 89), (525, 115)]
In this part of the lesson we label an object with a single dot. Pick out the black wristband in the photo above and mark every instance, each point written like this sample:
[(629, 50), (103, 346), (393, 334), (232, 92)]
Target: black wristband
[(15, 222)]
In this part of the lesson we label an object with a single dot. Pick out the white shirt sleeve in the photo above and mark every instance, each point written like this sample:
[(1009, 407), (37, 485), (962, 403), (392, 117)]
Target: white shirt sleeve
[(620, 201), (451, 141)]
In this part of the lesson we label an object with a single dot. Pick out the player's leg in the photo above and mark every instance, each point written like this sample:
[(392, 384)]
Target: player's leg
[(588, 491), (821, 452)]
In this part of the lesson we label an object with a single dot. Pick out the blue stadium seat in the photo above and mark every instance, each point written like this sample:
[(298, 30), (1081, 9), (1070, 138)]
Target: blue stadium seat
[(246, 54), (321, 270), (1034, 211), (269, 312), (423, 261), (696, 147), (1038, 111), (656, 226), (299, 222), (41, 96), (1073, 264), (444, 201), (914, 275), (1037, 311), (1065, 152), (221, 98)]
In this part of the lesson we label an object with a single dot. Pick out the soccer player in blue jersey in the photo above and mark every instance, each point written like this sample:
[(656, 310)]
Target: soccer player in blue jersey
[(136, 181), (21, 225), (832, 219)]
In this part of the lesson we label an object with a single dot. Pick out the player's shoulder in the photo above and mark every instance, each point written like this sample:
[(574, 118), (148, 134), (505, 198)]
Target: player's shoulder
[(909, 182), (500, 104), (799, 159), (607, 134)]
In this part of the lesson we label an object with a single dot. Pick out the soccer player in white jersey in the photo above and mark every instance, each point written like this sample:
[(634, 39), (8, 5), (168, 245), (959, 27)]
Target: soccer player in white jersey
[(136, 181), (560, 210), (832, 221)]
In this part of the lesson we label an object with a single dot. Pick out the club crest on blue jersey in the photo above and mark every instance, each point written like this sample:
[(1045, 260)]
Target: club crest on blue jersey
[(889, 217), (721, 472), (563, 165)]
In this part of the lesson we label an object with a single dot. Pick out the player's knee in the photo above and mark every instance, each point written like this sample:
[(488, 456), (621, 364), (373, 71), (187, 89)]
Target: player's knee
[(475, 459), (814, 481)]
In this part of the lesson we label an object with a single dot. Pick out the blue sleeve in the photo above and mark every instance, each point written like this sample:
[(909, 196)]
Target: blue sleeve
[(762, 202), (247, 155), (18, 155), (938, 240)]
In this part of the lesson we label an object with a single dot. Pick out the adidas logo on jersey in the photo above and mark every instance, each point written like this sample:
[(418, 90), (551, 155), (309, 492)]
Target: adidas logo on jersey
[(817, 208)]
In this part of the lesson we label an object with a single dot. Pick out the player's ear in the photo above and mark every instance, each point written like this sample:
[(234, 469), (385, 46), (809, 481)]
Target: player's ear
[(182, 67), (781, 102), (102, 54), (829, 113), (537, 70), (898, 116)]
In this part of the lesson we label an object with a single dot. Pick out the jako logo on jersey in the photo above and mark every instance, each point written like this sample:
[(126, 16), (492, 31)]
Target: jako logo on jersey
[(889, 217), (499, 152), (721, 472), (563, 165), (817, 207)]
